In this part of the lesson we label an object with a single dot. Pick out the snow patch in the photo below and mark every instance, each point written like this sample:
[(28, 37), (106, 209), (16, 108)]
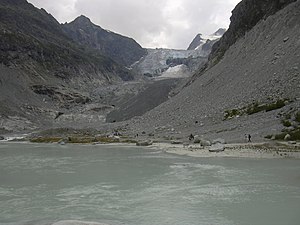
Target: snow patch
[(179, 71)]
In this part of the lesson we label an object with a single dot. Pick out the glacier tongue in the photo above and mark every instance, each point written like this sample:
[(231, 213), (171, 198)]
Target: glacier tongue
[(160, 61)]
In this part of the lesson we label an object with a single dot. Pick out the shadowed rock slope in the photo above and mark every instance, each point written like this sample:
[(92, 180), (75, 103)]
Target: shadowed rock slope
[(244, 17), (33, 40), (123, 50), (42, 70), (258, 71)]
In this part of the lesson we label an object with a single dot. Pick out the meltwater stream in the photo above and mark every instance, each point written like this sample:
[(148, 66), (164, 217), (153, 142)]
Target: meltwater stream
[(43, 184)]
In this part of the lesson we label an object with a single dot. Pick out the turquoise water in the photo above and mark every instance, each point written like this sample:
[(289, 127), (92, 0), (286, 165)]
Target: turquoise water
[(42, 184)]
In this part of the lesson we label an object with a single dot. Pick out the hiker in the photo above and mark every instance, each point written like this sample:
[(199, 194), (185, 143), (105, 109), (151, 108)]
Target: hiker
[(249, 138)]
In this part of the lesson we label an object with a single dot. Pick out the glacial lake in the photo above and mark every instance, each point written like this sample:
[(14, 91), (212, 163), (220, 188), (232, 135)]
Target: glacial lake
[(128, 185)]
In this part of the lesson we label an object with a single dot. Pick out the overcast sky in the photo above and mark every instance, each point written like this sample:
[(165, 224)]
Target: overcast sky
[(152, 23)]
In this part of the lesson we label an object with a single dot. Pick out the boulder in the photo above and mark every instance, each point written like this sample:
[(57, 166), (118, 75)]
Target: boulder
[(273, 138), (62, 142), (287, 137), (197, 140), (144, 143), (176, 142), (219, 140), (205, 143), (218, 147)]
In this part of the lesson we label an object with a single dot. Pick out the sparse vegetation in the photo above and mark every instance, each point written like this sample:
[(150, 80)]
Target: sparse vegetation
[(78, 139), (255, 107), (286, 123), (45, 139), (276, 105), (294, 131), (231, 113), (297, 117), (269, 136)]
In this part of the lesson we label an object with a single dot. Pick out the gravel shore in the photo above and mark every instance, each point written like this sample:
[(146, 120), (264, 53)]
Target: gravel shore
[(252, 150)]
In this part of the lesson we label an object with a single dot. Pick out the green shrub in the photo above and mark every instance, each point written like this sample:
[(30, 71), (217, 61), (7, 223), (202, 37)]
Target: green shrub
[(231, 113), (288, 116), (286, 123), (295, 135), (276, 105), (45, 139), (297, 117), (255, 108), (280, 136), (269, 136)]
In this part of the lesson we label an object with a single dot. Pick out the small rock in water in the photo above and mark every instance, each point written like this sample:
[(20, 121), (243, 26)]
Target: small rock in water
[(1, 138), (286, 39), (205, 143), (144, 143), (62, 142), (176, 142)]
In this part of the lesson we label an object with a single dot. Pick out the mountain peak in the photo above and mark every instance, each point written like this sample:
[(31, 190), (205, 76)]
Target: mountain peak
[(196, 42), (83, 18), (220, 32)]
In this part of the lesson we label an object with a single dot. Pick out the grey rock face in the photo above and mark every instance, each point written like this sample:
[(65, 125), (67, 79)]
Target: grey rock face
[(205, 43), (244, 17), (220, 32), (198, 40), (121, 49)]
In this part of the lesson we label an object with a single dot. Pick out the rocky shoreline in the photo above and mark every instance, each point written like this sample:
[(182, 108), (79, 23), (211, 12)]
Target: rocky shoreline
[(261, 150), (217, 148)]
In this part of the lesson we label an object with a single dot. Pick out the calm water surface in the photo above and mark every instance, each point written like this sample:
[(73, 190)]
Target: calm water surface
[(42, 184)]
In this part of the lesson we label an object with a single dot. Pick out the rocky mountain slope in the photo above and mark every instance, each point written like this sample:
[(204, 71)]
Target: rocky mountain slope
[(253, 88), (244, 17), (121, 49), (33, 40), (169, 69), (43, 71)]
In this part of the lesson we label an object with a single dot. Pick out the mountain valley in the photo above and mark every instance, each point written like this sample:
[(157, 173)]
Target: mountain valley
[(78, 75)]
